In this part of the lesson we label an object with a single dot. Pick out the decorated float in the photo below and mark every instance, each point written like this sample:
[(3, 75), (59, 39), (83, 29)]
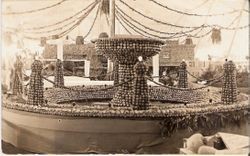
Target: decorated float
[(128, 117)]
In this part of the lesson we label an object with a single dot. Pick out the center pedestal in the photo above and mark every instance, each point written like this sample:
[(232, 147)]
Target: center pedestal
[(125, 50), (123, 96)]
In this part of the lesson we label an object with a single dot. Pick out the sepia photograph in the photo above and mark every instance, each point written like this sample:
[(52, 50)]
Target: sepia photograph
[(125, 77)]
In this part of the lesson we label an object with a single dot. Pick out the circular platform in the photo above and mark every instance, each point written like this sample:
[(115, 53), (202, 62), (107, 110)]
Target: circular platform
[(95, 127), (40, 133)]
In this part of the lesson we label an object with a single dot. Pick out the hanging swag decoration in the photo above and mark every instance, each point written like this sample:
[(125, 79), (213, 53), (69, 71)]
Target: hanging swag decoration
[(216, 36)]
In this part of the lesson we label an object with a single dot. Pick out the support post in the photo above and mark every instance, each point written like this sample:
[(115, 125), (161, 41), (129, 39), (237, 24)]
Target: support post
[(113, 66), (110, 66), (156, 66), (86, 68), (60, 49), (112, 18)]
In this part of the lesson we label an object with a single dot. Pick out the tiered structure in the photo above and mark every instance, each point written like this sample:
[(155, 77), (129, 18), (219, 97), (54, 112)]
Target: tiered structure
[(125, 50), (183, 79), (140, 88), (59, 79), (229, 88), (35, 95), (17, 87)]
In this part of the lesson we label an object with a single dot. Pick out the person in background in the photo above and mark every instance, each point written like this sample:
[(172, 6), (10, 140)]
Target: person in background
[(7, 66)]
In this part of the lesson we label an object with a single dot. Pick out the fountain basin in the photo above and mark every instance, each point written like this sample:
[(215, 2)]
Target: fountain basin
[(127, 48)]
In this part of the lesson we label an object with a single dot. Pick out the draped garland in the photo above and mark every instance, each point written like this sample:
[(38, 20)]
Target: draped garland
[(35, 10), (127, 21)]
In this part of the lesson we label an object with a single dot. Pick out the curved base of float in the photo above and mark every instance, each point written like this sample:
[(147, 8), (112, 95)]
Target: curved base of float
[(55, 134)]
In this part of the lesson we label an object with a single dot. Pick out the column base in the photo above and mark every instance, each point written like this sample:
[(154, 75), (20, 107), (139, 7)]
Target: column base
[(124, 94)]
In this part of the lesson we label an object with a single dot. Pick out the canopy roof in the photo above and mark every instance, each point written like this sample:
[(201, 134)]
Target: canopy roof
[(204, 45)]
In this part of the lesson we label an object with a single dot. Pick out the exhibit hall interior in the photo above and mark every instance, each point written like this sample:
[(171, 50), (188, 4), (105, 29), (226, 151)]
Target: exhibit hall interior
[(125, 77)]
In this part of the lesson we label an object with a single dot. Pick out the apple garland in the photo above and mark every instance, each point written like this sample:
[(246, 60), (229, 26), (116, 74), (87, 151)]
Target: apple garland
[(202, 123), (154, 111), (106, 92)]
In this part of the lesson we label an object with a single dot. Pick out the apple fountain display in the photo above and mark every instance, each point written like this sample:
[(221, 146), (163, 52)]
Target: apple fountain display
[(127, 114)]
